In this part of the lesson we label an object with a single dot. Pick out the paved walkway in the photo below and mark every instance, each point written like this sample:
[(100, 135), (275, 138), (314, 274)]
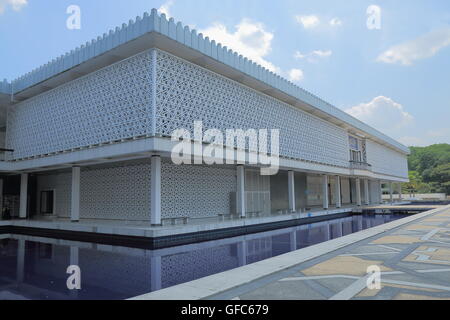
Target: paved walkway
[(414, 260), (413, 255)]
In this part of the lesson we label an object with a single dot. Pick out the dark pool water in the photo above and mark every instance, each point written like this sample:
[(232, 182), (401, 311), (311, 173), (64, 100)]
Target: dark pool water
[(35, 268)]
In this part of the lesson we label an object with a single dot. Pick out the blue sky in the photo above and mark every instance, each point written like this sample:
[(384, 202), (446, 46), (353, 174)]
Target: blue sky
[(396, 78)]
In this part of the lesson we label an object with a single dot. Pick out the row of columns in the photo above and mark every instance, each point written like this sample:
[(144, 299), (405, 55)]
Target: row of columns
[(155, 203), (391, 192), (240, 198)]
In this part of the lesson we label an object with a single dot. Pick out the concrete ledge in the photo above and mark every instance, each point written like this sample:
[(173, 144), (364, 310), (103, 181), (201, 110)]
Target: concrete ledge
[(215, 284), (163, 237)]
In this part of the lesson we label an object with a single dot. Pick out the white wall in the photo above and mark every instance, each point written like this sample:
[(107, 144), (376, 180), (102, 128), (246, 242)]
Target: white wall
[(386, 161)]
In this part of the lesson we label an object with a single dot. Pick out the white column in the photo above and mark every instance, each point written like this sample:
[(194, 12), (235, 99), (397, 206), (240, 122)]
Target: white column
[(338, 192), (391, 192), (23, 195), (75, 202), (291, 190), (155, 201), (366, 192), (358, 192), (380, 192), (400, 195), (325, 191), (240, 196)]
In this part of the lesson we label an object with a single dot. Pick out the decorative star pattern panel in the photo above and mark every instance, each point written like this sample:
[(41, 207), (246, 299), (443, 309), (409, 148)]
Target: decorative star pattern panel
[(187, 92), (196, 191), (385, 160), (108, 105)]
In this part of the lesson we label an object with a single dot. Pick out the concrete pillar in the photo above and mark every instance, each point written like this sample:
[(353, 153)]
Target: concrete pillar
[(338, 192), (400, 195), (155, 198), (391, 193), (366, 192), (380, 192), (240, 196), (291, 191), (325, 191), (75, 200), (358, 192), (23, 196), (20, 268), (155, 273)]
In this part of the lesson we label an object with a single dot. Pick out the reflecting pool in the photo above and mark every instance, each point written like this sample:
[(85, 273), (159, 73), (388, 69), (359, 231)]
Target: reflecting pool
[(35, 268)]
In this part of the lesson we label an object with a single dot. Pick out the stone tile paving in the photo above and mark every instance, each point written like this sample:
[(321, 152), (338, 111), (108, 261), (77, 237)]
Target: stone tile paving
[(414, 260)]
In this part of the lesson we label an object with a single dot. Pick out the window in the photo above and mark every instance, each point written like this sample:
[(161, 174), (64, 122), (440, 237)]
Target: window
[(355, 150), (47, 200)]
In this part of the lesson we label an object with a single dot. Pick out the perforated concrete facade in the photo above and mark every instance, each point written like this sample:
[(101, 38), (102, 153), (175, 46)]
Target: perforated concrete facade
[(111, 104)]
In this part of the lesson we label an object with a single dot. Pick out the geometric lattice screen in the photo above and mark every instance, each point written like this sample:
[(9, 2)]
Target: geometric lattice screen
[(187, 92), (110, 104)]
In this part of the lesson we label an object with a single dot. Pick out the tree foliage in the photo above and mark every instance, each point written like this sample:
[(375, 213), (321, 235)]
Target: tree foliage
[(429, 169)]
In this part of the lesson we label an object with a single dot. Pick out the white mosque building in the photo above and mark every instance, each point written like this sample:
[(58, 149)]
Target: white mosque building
[(88, 136)]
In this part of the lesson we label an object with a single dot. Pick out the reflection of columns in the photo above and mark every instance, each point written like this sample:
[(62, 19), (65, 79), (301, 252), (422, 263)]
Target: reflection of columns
[(240, 196), (366, 192), (23, 195), (1, 197), (293, 239), (75, 202), (327, 228), (325, 191), (339, 229), (358, 192), (242, 253), (391, 192), (155, 201), (291, 190), (360, 223), (155, 273), (74, 260), (20, 269), (338, 192)]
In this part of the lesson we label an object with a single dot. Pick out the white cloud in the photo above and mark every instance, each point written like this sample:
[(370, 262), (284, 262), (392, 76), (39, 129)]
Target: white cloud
[(295, 75), (425, 46), (165, 8), (314, 55), (335, 22), (16, 5), (250, 39), (308, 22), (383, 114)]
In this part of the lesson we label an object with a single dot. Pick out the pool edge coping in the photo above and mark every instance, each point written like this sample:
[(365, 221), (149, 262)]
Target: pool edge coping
[(215, 284)]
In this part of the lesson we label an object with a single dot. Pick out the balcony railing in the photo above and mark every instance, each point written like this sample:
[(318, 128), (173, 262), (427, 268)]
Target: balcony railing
[(360, 165)]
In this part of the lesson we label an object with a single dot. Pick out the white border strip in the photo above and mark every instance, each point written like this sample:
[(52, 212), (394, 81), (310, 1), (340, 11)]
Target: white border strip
[(218, 283)]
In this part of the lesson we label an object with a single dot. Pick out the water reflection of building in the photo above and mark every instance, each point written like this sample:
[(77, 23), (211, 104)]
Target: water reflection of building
[(35, 268)]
